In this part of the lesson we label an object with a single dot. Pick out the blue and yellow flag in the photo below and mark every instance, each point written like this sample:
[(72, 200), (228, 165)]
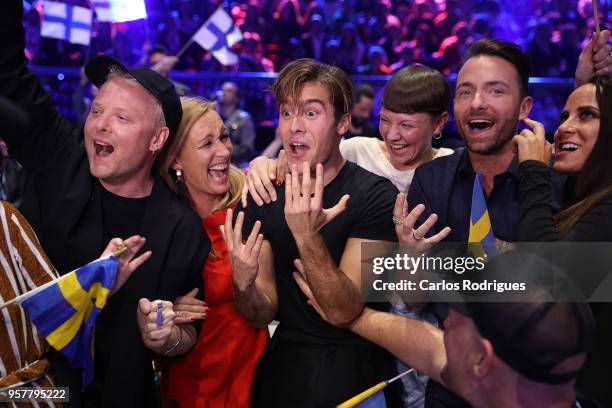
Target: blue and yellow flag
[(481, 230), (65, 311)]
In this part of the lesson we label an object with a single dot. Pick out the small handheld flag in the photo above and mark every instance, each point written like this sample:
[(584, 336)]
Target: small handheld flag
[(66, 22), (159, 317), (119, 11), (218, 35), (481, 230), (65, 311), (372, 397)]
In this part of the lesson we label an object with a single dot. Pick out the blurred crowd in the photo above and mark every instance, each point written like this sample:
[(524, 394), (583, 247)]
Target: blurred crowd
[(371, 37)]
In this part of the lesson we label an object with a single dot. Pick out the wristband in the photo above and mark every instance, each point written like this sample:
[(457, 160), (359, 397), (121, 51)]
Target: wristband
[(175, 344)]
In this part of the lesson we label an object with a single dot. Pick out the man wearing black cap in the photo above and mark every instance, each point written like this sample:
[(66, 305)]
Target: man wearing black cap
[(86, 189), (521, 353)]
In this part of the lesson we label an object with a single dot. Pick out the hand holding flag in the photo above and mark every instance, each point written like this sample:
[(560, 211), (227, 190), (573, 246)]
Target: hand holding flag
[(127, 263), (64, 310)]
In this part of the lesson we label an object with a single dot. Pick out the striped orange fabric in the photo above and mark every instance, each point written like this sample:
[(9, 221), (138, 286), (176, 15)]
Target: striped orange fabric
[(23, 266)]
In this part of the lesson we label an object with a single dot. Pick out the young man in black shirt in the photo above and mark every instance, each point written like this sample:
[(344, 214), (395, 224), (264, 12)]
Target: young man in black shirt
[(309, 362)]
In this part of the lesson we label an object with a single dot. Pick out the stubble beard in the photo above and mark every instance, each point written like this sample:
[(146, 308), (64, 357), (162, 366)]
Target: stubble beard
[(500, 139)]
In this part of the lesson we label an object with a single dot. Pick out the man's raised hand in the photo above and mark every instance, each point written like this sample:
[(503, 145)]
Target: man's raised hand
[(304, 211), (127, 263)]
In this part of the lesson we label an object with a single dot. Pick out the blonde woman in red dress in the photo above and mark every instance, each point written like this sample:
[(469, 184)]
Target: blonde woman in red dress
[(219, 370)]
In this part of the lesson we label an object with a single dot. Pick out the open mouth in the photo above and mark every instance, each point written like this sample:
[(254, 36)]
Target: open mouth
[(480, 124), (103, 149), (398, 147), (219, 171), (568, 147), (298, 148)]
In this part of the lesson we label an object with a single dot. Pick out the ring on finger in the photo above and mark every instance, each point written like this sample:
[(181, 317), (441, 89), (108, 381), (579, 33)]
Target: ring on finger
[(415, 236), (397, 221)]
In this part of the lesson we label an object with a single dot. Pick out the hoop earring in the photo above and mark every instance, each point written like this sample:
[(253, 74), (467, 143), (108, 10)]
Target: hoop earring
[(437, 136), (179, 175)]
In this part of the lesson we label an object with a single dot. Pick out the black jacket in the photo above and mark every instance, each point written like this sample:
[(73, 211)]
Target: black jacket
[(62, 202)]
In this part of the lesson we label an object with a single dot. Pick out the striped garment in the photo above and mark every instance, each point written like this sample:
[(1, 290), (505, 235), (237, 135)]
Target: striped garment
[(24, 267)]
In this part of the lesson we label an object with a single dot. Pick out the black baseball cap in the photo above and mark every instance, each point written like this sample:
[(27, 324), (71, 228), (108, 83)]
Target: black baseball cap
[(98, 68), (535, 334)]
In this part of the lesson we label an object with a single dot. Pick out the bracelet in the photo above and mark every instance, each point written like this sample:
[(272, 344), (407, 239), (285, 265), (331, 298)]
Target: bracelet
[(175, 344)]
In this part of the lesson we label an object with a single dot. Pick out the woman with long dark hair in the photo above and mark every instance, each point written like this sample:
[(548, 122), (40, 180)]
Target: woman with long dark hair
[(583, 148)]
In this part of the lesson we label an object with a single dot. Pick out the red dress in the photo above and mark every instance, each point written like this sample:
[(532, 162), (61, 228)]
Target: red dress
[(219, 371)]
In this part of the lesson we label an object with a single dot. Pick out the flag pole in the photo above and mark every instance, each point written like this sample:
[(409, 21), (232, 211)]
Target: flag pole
[(596, 15), (34, 291), (359, 398), (184, 48), (38, 289)]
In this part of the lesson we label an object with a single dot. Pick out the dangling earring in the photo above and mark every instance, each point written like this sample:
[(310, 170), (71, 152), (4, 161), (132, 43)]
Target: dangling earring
[(437, 136), (179, 175)]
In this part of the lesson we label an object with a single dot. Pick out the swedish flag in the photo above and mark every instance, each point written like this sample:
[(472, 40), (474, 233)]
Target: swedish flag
[(65, 311), (481, 230)]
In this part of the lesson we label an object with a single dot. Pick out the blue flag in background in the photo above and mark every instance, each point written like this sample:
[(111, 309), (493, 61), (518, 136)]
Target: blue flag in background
[(65, 312)]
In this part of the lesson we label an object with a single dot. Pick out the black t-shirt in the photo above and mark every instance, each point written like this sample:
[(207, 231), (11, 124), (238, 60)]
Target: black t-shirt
[(368, 215), (121, 218)]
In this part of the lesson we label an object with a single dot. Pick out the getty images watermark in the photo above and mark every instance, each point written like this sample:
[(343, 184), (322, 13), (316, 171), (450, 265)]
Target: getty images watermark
[(444, 272)]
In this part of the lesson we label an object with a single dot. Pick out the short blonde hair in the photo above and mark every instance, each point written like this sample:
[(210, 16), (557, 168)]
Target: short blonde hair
[(160, 119), (193, 109)]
